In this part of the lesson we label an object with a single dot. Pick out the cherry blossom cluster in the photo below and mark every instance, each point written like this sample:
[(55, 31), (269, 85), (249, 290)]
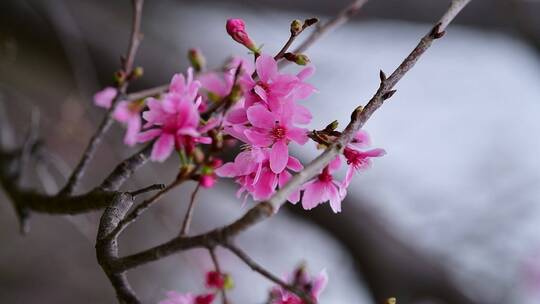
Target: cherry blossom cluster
[(203, 112)]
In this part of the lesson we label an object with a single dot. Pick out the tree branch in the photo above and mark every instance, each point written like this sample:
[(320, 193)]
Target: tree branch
[(189, 213), (265, 273), (106, 123)]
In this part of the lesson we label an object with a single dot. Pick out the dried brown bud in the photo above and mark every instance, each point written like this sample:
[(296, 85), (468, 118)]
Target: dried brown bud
[(436, 32), (119, 77), (197, 60), (310, 22)]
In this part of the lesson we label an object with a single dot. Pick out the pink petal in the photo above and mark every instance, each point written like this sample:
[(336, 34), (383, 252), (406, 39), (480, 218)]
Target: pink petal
[(319, 283), (257, 138), (334, 164), (279, 156), (260, 117), (313, 191), (105, 97), (121, 112), (260, 92), (284, 177), (148, 135), (299, 135), (237, 116), (334, 198), (227, 170), (348, 176), (294, 164), (302, 115), (306, 72), (374, 153), (266, 67), (163, 147), (213, 83), (133, 129), (361, 139)]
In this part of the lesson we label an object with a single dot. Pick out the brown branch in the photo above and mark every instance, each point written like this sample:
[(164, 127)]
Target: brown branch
[(189, 213), (107, 121)]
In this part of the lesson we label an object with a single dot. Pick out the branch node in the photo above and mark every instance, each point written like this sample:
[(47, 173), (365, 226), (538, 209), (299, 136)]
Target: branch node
[(388, 94)]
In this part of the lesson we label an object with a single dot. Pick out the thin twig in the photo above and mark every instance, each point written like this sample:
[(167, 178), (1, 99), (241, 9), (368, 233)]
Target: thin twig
[(215, 260), (142, 207), (189, 213), (147, 189), (106, 123), (265, 273)]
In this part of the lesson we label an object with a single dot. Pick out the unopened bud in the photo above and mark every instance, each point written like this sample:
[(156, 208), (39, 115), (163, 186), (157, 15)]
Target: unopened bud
[(391, 301), (299, 59), (197, 60), (228, 282), (310, 22), (236, 28), (137, 72), (119, 77), (296, 27)]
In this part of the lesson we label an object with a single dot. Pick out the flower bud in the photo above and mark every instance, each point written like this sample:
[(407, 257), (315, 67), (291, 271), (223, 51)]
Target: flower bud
[(197, 60), (236, 28), (136, 73), (391, 301), (228, 283), (119, 77), (299, 59), (332, 126), (296, 27)]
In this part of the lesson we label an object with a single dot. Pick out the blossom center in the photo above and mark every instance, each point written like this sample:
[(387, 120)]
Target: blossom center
[(263, 85), (325, 176), (278, 133)]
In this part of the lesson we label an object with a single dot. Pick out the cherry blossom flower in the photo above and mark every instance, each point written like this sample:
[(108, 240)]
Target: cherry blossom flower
[(312, 286), (356, 159), (324, 188), (174, 120), (274, 130), (273, 88), (129, 113), (105, 97), (236, 28), (252, 172)]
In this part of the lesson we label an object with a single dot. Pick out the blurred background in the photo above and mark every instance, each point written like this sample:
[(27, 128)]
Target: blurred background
[(449, 215)]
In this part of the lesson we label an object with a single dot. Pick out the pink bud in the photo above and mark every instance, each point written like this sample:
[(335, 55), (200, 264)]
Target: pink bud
[(236, 28), (207, 181)]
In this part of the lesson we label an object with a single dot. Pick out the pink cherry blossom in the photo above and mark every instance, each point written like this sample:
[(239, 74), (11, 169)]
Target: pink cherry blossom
[(252, 172), (273, 88), (312, 286), (174, 297), (324, 188), (236, 28), (274, 130), (105, 97), (174, 119), (129, 113), (356, 159)]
